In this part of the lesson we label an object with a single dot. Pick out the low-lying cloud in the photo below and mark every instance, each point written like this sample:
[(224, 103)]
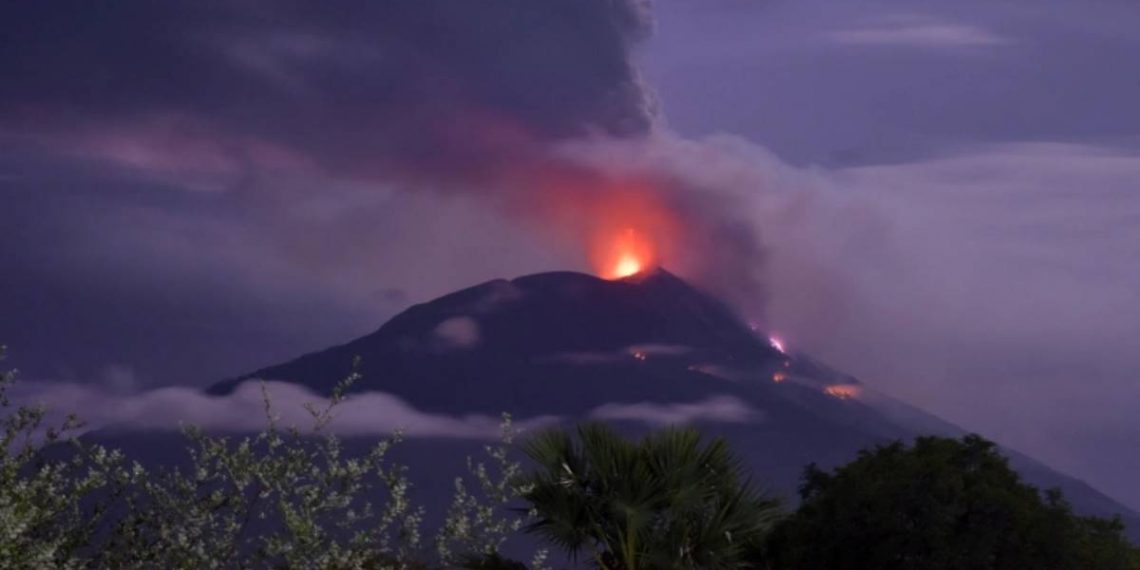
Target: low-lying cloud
[(457, 333), (917, 32), (714, 409), (364, 413), (244, 410)]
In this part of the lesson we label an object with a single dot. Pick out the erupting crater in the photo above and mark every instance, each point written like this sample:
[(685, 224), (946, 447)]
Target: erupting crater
[(627, 253)]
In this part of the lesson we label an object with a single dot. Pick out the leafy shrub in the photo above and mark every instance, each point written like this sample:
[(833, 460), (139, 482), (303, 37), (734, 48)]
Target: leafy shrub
[(282, 498), (940, 504)]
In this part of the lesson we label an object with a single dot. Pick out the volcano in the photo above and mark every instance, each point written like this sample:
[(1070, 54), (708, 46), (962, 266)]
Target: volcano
[(641, 351), (553, 343)]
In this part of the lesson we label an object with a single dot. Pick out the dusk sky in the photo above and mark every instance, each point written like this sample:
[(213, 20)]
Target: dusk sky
[(942, 198)]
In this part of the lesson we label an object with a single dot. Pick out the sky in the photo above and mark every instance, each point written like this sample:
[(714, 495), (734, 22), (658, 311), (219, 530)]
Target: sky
[(941, 198)]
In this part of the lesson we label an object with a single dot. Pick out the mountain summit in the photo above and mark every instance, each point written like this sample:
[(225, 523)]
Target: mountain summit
[(642, 351)]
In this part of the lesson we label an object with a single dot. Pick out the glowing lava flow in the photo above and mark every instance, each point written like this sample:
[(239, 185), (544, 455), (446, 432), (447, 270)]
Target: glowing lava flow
[(843, 391), (627, 253), (777, 344), (626, 266)]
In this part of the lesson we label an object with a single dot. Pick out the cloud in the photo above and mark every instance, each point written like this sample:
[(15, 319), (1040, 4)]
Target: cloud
[(365, 413), (312, 121), (359, 88), (368, 413), (300, 159), (177, 151), (722, 409), (659, 349), (993, 286), (917, 32), (986, 284), (458, 332)]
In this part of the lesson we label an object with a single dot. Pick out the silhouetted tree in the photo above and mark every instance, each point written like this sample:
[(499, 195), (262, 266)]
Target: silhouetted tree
[(492, 562), (940, 504), (666, 501)]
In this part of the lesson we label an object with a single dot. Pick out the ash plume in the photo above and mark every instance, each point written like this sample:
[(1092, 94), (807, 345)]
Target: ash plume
[(515, 103)]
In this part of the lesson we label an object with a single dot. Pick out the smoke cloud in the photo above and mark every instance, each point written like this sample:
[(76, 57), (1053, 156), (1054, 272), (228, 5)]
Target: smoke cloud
[(290, 107)]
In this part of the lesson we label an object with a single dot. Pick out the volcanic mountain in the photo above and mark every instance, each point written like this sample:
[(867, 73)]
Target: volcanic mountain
[(641, 351), (552, 343)]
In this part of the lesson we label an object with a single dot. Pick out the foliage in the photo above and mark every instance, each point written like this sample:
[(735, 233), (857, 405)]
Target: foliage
[(476, 526), (493, 561), (311, 505), (941, 504), (47, 507), (666, 501), (282, 498)]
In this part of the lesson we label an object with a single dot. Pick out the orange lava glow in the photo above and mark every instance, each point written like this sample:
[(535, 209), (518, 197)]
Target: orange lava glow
[(843, 391), (627, 266), (624, 225), (779, 376), (629, 252), (777, 344), (630, 229)]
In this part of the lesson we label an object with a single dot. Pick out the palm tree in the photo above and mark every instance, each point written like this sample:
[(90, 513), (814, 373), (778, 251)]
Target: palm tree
[(666, 501)]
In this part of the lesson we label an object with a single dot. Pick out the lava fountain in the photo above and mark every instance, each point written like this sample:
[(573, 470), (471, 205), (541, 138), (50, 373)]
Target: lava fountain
[(627, 253), (632, 230), (624, 226)]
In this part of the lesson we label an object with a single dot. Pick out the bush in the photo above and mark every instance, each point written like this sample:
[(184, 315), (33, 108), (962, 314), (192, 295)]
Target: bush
[(940, 504), (277, 499)]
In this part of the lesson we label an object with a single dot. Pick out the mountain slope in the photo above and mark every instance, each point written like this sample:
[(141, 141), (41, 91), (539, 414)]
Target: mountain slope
[(522, 345), (640, 352)]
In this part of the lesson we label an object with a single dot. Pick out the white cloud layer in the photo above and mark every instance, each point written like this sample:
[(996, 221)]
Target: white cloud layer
[(917, 32), (724, 409), (368, 413), (458, 332), (244, 411)]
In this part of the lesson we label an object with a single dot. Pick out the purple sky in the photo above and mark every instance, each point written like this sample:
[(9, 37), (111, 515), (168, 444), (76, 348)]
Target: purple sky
[(946, 195)]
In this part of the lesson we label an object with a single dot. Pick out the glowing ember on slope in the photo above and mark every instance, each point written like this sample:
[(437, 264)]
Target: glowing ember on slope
[(777, 344), (843, 391), (779, 376)]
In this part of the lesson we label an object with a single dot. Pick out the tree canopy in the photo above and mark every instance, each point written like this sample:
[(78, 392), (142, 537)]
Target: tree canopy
[(666, 501), (940, 504)]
